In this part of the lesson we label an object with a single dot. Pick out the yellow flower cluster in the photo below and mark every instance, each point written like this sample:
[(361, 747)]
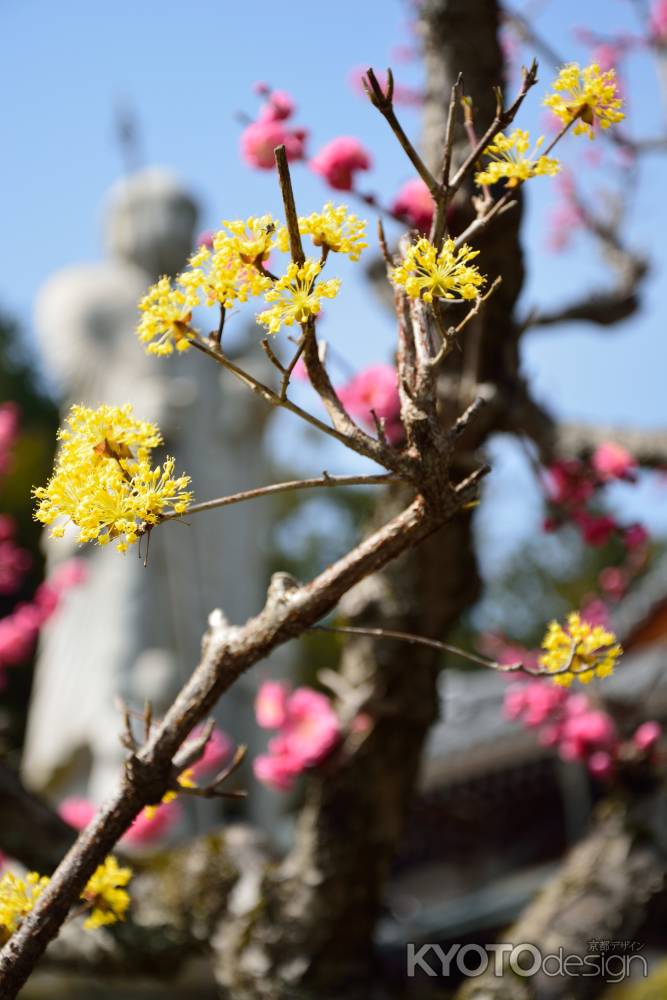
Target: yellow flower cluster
[(103, 481), (166, 314), (233, 269), (512, 161), (297, 296), (586, 95), (104, 896), (427, 274), (333, 229), (17, 898), (580, 651)]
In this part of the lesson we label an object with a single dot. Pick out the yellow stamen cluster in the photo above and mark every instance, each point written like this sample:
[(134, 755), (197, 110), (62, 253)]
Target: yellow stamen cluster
[(103, 481), (580, 651), (587, 96), (427, 274), (512, 161), (233, 269), (222, 275), (106, 896), (333, 229), (166, 315), (297, 296), (17, 898)]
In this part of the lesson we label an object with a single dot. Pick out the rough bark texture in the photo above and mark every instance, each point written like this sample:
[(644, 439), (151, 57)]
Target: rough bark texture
[(601, 893)]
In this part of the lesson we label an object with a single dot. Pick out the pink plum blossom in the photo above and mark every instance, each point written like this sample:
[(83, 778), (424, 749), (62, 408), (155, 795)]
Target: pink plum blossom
[(414, 203), (339, 161), (308, 731), (260, 138), (150, 827), (375, 388), (612, 461), (77, 811), (271, 705), (647, 735), (596, 529), (635, 536), (9, 426), (217, 752)]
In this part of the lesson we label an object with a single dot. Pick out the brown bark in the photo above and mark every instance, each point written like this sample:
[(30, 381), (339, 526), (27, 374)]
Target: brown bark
[(601, 893)]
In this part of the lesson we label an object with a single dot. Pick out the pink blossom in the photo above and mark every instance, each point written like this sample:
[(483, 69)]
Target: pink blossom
[(271, 705), (277, 772), (596, 529), (595, 612), (9, 426), (658, 20), (19, 629), (414, 203), (612, 461), (307, 734), (260, 138), (218, 750), (147, 828), (77, 811), (568, 483), (601, 764), (278, 107), (339, 161), (69, 574), (205, 239), (375, 388), (14, 564), (534, 702), (635, 536), (647, 735), (300, 372), (584, 733), (311, 728), (613, 581)]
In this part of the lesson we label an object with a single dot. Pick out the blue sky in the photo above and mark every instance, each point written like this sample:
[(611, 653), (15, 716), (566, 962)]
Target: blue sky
[(187, 69)]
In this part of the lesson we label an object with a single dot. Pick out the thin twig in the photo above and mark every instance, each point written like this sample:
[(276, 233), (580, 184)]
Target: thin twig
[(326, 481), (383, 102)]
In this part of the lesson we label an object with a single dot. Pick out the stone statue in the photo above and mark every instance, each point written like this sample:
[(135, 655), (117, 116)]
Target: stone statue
[(129, 630)]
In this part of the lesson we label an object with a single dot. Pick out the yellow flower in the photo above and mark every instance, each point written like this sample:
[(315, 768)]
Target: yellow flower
[(165, 322), (297, 296), (580, 651), (103, 481), (222, 274), (333, 229), (108, 431), (251, 240), (586, 95), (427, 274), (511, 160), (105, 894), (17, 898)]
